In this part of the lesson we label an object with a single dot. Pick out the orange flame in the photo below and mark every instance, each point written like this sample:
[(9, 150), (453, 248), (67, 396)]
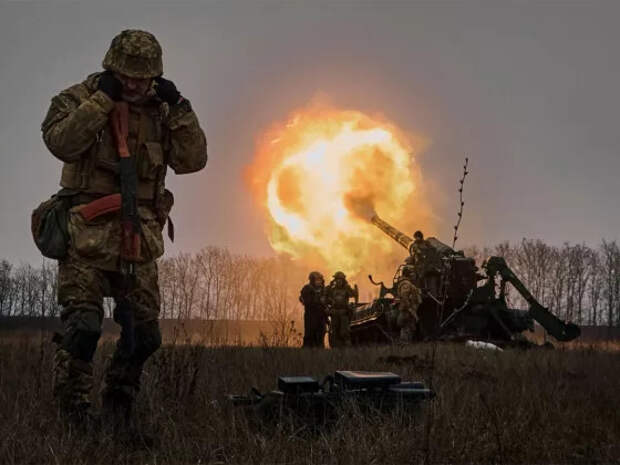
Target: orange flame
[(321, 175)]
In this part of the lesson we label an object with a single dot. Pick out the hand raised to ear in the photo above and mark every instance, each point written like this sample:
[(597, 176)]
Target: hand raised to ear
[(111, 86), (167, 91)]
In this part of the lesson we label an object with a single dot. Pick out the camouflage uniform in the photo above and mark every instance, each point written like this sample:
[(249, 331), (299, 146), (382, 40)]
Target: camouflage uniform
[(410, 299), (76, 130), (338, 294), (425, 262), (315, 317)]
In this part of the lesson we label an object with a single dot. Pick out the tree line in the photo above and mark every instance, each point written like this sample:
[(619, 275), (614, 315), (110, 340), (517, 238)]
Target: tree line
[(577, 282)]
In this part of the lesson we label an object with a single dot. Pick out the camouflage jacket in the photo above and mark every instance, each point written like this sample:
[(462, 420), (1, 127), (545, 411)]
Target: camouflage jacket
[(313, 300), (409, 295), (338, 297), (76, 131)]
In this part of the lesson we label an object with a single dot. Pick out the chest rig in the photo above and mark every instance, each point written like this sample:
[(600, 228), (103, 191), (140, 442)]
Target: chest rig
[(340, 296), (97, 172)]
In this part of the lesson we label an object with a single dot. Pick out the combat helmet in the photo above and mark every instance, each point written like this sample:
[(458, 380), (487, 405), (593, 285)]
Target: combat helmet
[(418, 235), (136, 54), (315, 275), (339, 275)]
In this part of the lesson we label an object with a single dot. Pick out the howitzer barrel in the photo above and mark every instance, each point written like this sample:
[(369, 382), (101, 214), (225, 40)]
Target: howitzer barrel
[(391, 231)]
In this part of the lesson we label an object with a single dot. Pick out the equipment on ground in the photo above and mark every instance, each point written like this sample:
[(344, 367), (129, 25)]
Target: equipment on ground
[(304, 399)]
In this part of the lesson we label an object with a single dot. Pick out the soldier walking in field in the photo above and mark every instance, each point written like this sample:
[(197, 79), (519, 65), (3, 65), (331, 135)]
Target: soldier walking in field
[(315, 317), (117, 132), (338, 294)]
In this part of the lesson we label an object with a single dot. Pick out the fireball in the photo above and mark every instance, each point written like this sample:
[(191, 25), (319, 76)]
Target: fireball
[(322, 174)]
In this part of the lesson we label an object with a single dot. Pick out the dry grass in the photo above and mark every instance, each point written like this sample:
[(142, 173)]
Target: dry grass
[(513, 407)]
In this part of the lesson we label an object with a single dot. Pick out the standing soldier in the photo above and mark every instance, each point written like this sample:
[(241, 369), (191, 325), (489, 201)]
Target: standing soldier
[(426, 263), (338, 294), (410, 298), (315, 318), (419, 251), (116, 132)]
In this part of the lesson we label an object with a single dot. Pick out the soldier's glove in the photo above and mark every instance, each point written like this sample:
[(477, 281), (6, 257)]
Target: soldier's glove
[(167, 91), (111, 86)]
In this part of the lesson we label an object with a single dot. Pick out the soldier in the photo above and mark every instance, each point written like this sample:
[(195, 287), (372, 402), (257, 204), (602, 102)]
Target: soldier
[(410, 298), (338, 294), (418, 250), (163, 131), (315, 317), (425, 261)]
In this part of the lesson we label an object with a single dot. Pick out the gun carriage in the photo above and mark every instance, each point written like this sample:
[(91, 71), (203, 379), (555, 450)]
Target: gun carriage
[(460, 301)]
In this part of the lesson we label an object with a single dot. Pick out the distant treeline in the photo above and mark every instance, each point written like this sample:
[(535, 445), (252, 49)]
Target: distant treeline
[(577, 282), (212, 284)]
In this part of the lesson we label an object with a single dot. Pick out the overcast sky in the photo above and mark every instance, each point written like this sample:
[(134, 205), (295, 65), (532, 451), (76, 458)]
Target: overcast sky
[(530, 91)]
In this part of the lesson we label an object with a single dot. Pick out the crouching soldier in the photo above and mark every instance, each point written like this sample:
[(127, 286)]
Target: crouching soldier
[(117, 132), (315, 317), (410, 298), (340, 310)]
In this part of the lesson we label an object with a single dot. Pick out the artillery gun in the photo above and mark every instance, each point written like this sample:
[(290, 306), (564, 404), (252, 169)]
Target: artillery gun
[(459, 302)]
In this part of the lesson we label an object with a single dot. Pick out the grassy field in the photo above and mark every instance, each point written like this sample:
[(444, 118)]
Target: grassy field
[(537, 406)]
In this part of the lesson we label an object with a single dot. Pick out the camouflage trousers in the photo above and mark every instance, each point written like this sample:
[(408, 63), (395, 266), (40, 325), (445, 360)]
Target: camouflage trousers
[(314, 329), (410, 300), (340, 328), (81, 289), (407, 322)]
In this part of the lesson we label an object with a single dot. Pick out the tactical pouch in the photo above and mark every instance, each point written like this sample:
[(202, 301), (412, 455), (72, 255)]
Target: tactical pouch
[(49, 225), (151, 161)]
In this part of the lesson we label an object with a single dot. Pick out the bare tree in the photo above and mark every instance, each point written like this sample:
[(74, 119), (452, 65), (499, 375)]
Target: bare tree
[(579, 275), (595, 287), (610, 267), (6, 288)]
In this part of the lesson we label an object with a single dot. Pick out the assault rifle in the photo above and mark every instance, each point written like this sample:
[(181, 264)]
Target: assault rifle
[(130, 222)]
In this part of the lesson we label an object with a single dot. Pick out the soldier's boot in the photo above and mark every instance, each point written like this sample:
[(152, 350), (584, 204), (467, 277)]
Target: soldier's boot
[(118, 403), (121, 385), (73, 382), (122, 379)]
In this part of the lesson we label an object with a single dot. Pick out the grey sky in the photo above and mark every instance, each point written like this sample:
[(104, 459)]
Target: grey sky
[(528, 90)]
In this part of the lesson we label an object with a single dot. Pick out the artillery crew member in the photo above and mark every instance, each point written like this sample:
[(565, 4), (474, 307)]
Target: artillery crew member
[(410, 298), (127, 112), (315, 315), (338, 294), (425, 261)]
